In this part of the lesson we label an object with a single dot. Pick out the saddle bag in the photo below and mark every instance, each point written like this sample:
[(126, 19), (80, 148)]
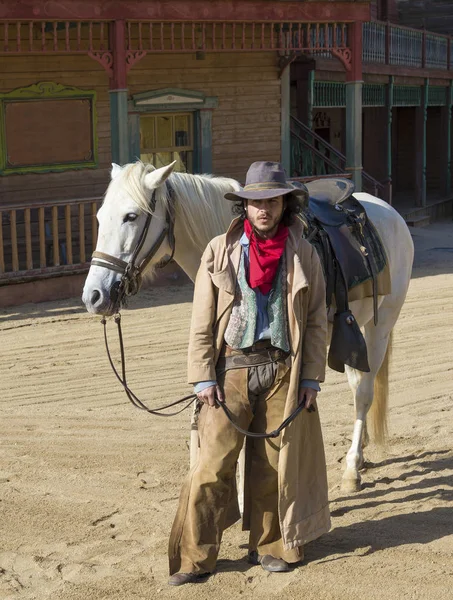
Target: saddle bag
[(351, 253)]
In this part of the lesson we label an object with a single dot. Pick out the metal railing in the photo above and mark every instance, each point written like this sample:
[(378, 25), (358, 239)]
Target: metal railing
[(312, 156), (386, 43), (47, 238)]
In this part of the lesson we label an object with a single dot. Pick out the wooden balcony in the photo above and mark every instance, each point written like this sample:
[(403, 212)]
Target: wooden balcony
[(398, 46)]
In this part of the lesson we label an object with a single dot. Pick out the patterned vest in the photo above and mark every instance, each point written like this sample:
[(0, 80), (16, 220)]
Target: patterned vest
[(240, 332)]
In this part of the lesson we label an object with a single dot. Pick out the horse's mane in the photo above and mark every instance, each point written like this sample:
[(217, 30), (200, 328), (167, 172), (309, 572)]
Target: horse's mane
[(199, 200)]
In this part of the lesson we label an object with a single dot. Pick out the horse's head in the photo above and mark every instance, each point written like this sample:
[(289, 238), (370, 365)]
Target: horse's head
[(130, 215)]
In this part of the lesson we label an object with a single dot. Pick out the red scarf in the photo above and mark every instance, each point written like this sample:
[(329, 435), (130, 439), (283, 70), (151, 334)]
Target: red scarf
[(264, 256)]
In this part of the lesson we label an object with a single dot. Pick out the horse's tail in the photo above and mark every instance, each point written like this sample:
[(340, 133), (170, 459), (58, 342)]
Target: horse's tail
[(379, 406)]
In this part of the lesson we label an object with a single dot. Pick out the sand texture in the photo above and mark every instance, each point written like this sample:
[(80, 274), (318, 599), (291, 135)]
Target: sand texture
[(89, 484)]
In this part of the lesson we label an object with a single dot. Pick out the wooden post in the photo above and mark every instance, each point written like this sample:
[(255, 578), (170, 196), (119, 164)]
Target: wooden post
[(14, 250), (2, 254), (55, 237), (118, 95), (446, 126), (285, 119), (205, 141), (390, 89), (420, 150), (311, 98), (42, 239), (354, 86), (68, 228), (28, 248), (82, 251)]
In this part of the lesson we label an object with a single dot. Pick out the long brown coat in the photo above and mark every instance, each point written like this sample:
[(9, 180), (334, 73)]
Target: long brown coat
[(303, 503)]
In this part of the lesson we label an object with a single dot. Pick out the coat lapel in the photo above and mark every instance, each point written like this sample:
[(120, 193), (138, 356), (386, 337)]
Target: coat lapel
[(297, 281)]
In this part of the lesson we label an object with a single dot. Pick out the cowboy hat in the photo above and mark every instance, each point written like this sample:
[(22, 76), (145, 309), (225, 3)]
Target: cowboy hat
[(266, 180)]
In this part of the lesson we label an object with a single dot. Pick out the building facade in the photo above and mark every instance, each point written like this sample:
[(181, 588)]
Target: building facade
[(406, 111), (212, 85)]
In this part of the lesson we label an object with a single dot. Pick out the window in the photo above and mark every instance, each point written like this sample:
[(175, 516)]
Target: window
[(167, 137), (172, 124), (47, 127)]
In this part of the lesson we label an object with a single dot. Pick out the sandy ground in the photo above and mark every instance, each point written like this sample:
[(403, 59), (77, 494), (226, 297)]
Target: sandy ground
[(89, 484)]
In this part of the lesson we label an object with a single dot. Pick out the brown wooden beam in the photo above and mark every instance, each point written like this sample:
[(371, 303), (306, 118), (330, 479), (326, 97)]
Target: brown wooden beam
[(443, 76), (182, 10)]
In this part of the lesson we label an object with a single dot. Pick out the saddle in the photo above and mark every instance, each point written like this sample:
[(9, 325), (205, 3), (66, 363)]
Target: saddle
[(351, 253)]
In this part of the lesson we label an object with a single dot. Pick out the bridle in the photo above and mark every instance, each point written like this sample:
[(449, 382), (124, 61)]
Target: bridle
[(131, 272), (129, 285)]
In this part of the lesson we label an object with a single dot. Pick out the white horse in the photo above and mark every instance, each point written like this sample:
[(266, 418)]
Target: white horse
[(199, 212)]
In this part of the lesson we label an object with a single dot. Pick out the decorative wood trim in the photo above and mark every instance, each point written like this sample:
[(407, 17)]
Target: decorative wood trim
[(47, 90), (171, 99), (133, 57), (344, 55), (105, 59), (181, 10)]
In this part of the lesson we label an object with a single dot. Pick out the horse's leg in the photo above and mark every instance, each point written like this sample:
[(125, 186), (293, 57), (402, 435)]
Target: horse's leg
[(363, 388), (366, 386)]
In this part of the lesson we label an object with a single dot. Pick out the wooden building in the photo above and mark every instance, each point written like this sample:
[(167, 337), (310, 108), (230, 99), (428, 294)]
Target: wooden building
[(406, 139), (215, 85), (84, 83)]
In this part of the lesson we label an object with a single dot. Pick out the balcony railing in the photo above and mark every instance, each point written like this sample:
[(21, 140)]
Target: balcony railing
[(46, 239), (389, 44)]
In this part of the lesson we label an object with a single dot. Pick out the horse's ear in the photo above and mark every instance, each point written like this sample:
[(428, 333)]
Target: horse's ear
[(157, 177), (116, 170)]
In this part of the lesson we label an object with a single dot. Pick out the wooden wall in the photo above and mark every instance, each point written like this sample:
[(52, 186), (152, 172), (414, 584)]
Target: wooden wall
[(78, 71), (246, 123), (435, 136), (404, 149), (375, 142)]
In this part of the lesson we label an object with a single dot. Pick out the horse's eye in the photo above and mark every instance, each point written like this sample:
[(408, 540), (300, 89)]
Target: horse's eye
[(129, 217)]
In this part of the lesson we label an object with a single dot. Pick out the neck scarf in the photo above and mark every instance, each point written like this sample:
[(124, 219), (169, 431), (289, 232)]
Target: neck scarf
[(264, 256)]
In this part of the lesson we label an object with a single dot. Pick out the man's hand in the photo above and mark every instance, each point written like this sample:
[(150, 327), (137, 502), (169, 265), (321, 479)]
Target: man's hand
[(207, 395), (307, 396)]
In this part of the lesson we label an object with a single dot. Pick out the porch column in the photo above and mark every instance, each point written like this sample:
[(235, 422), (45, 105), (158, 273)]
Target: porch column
[(285, 133), (354, 85), (205, 141), (446, 150), (118, 95), (420, 150), (390, 88)]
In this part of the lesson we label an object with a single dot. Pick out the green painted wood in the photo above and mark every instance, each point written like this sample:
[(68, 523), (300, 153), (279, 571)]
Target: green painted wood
[(390, 90), (329, 94), (437, 95), (41, 91), (420, 167), (374, 94), (119, 126), (205, 141), (354, 132), (311, 98), (407, 95), (448, 109), (134, 137), (332, 94)]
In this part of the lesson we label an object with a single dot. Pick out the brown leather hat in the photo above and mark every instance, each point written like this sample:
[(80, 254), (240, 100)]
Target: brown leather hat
[(266, 180)]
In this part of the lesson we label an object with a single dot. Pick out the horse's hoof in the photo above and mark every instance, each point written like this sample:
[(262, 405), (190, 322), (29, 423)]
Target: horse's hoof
[(350, 486)]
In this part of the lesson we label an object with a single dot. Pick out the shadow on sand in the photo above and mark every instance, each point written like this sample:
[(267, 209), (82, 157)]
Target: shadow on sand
[(397, 530)]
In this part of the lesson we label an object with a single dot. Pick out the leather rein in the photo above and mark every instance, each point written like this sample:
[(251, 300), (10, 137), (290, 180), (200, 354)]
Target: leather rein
[(129, 285)]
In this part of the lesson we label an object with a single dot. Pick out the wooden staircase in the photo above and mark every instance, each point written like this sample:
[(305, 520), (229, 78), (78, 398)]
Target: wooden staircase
[(312, 156)]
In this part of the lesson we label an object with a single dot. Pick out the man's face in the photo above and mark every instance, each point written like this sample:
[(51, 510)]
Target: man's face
[(265, 215)]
